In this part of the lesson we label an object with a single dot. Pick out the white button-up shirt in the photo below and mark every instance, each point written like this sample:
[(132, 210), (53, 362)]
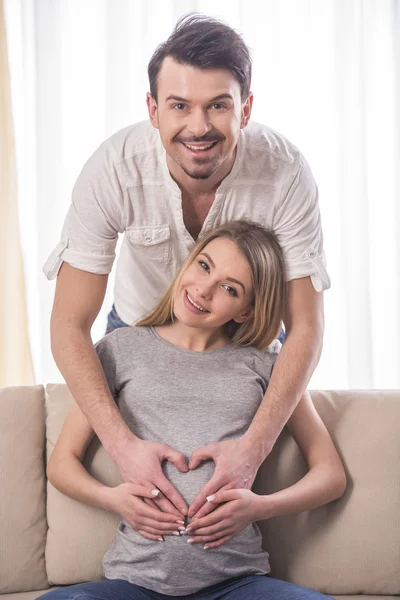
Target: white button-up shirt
[(125, 187)]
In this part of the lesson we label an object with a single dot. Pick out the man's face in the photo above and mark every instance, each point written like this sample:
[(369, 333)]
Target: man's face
[(199, 114)]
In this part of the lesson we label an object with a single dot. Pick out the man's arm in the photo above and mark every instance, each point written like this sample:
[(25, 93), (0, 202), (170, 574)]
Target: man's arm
[(237, 461), (78, 299)]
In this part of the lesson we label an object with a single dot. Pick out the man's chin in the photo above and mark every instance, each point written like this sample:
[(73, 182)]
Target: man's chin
[(199, 173)]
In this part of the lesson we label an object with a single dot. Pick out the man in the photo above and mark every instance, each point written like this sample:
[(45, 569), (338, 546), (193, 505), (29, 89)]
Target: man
[(197, 163)]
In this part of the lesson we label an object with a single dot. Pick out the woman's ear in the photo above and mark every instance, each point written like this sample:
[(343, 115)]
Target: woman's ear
[(245, 316)]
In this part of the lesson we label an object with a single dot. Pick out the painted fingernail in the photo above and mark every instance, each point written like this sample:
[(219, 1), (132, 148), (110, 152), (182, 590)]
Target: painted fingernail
[(190, 541), (160, 539), (205, 546), (176, 533), (181, 523), (181, 529), (155, 492), (211, 498)]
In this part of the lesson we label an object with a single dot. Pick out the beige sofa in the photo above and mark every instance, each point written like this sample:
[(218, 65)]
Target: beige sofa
[(349, 547)]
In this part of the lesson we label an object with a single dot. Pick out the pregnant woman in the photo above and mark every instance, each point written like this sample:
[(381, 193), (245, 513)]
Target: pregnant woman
[(193, 372)]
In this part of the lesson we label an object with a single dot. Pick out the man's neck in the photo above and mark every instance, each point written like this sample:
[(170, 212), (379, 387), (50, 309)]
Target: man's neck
[(199, 187)]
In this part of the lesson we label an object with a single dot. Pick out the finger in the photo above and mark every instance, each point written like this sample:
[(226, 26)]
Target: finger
[(177, 458), (200, 506), (158, 515), (218, 543), (204, 453), (205, 539), (149, 536), (172, 497), (160, 527), (159, 532), (150, 503), (143, 491), (211, 530)]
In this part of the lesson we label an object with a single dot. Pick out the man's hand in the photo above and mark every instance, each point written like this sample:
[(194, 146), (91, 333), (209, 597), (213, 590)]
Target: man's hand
[(139, 461), (127, 501), (237, 510), (236, 465)]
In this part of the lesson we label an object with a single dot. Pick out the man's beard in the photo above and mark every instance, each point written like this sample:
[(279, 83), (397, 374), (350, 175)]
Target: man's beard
[(200, 174)]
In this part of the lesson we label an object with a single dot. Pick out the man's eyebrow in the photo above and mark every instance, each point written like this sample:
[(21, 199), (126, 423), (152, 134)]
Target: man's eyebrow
[(179, 99), (228, 278)]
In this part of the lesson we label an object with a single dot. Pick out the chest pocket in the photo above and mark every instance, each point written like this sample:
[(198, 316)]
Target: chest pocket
[(151, 241)]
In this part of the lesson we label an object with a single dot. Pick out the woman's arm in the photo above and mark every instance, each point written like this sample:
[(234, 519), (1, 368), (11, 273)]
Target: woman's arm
[(66, 472), (326, 478), (324, 482)]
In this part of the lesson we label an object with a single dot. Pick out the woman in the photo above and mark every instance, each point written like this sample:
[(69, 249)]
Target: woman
[(192, 372)]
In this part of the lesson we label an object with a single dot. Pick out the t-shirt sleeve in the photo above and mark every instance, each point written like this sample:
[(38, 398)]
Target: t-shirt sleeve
[(297, 223), (94, 219), (107, 351)]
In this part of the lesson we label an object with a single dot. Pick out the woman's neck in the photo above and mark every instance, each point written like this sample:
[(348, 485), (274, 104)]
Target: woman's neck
[(192, 338)]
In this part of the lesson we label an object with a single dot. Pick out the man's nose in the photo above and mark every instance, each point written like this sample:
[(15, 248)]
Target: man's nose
[(199, 123)]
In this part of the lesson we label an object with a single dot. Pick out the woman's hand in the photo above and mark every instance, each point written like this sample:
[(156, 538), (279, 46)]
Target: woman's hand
[(127, 500), (239, 508)]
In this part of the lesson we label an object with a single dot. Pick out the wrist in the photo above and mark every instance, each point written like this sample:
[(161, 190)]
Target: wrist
[(107, 498), (258, 445), (265, 508)]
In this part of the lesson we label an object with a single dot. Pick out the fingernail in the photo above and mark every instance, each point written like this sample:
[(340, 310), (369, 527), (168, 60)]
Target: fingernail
[(155, 492), (205, 546), (184, 511), (176, 533), (160, 539), (181, 529), (188, 529), (194, 518), (181, 523), (210, 498), (190, 541)]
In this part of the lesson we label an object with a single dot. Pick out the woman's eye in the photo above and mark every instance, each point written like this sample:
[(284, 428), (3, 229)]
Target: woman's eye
[(231, 290), (203, 265)]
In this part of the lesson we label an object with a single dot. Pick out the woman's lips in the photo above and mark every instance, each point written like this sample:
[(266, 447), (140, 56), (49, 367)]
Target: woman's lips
[(192, 308)]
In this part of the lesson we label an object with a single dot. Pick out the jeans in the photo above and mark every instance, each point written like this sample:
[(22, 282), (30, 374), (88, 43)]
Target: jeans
[(113, 322), (252, 587)]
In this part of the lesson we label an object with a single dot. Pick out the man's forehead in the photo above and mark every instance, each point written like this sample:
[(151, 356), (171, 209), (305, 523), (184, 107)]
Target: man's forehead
[(182, 80)]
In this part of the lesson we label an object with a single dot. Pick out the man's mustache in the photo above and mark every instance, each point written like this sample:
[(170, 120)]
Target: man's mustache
[(203, 140)]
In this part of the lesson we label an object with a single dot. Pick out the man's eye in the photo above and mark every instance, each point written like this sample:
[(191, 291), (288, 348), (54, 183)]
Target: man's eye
[(218, 105), (179, 106)]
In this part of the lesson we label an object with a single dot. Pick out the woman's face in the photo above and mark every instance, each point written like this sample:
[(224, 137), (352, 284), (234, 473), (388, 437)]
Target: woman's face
[(216, 288)]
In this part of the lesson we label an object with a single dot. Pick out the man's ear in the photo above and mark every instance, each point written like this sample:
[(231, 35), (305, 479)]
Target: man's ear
[(153, 109), (246, 111), (245, 316)]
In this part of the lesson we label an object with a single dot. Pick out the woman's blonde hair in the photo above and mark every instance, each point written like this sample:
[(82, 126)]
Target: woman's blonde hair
[(261, 249)]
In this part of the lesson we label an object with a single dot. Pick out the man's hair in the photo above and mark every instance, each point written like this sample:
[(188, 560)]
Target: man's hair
[(206, 43), (261, 249)]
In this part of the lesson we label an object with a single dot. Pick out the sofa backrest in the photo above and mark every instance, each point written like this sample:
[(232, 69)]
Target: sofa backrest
[(350, 546)]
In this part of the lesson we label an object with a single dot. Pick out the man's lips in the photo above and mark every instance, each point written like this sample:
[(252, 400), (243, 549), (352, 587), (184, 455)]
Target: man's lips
[(203, 148)]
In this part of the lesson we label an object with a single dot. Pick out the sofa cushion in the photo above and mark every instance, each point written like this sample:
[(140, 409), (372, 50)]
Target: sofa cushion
[(351, 546), (22, 490), (78, 535)]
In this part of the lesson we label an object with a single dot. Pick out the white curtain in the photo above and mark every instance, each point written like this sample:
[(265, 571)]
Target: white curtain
[(326, 74)]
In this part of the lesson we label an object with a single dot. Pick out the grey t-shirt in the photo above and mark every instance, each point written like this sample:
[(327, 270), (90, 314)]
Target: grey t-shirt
[(186, 399)]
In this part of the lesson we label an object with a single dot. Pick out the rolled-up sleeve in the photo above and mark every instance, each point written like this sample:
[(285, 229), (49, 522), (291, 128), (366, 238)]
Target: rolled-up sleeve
[(94, 219), (297, 223)]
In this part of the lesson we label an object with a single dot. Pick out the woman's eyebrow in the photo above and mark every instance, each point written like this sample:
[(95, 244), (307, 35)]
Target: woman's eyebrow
[(228, 278)]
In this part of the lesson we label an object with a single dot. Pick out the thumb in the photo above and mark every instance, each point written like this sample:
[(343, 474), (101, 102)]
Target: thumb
[(201, 454), (177, 458), (225, 496), (142, 491)]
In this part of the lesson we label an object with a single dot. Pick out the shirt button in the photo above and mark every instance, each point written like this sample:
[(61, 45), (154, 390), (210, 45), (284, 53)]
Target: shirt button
[(311, 254), (147, 238)]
